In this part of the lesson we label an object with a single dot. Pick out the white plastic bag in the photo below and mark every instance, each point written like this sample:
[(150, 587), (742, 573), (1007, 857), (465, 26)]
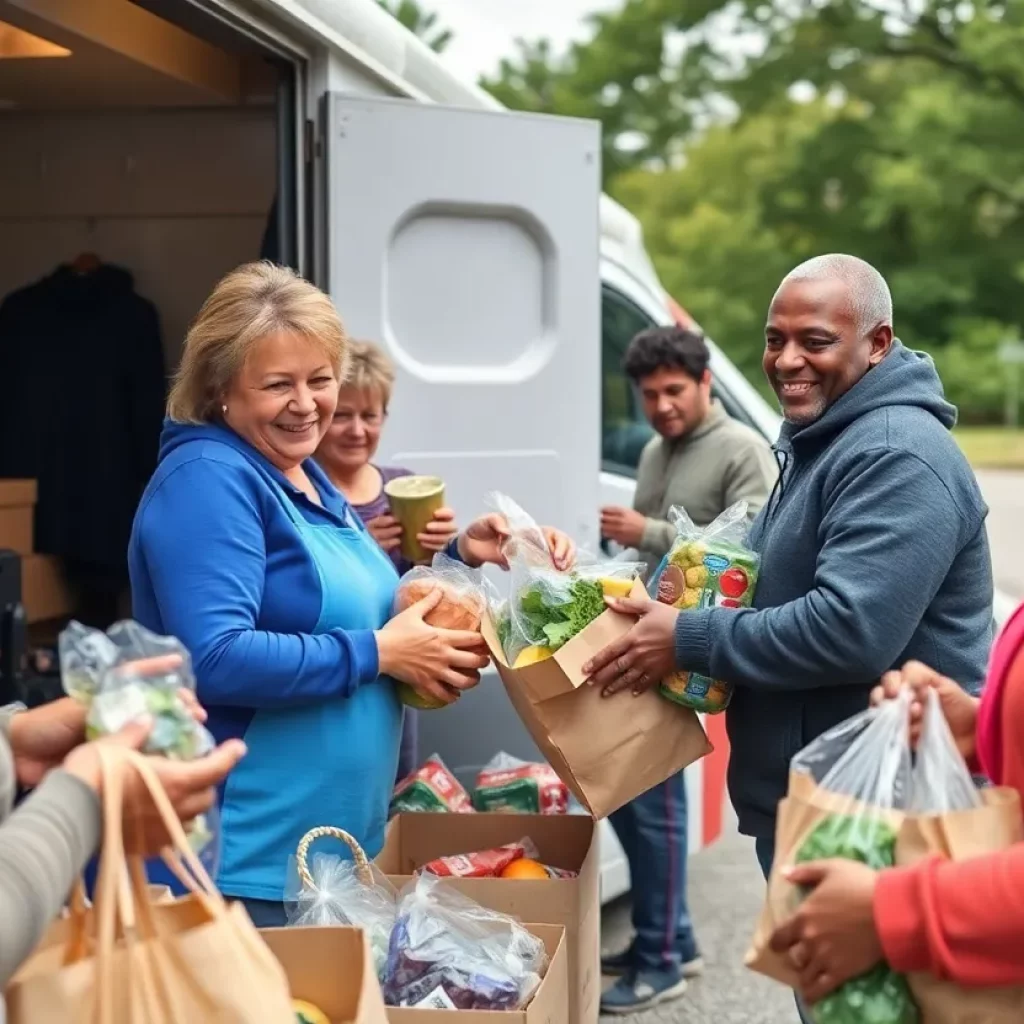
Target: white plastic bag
[(941, 780)]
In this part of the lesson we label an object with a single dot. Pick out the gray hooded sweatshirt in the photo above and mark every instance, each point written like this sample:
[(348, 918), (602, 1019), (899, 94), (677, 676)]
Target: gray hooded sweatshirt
[(873, 552)]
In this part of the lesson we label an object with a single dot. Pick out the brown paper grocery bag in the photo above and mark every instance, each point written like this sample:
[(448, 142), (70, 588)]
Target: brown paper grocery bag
[(607, 751), (196, 959), (962, 835), (803, 808)]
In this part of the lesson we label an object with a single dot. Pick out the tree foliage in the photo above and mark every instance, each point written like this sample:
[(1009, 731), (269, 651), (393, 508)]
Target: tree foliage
[(420, 22), (752, 134)]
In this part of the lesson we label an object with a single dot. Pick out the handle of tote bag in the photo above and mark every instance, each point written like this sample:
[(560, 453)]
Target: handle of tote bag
[(362, 864)]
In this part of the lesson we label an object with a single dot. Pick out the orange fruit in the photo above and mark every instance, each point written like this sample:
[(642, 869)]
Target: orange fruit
[(524, 868)]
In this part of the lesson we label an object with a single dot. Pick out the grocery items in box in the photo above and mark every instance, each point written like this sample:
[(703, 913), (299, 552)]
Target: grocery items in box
[(431, 788), (706, 568), (507, 784), (448, 952), (462, 607), (481, 863), (326, 890), (546, 608), (129, 673)]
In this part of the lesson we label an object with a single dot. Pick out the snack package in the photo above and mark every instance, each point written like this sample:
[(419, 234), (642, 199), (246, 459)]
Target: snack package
[(449, 953), (547, 608), (481, 863), (462, 606), (338, 896), (431, 789), (129, 672), (511, 786), (707, 568), (862, 772)]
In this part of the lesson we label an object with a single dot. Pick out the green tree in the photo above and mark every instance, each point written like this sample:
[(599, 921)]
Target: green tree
[(420, 22), (793, 129)]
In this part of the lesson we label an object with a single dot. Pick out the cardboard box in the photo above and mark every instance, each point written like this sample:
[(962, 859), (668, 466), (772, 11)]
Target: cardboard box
[(17, 515), (548, 1005), (45, 592), (606, 750), (565, 841), (332, 968)]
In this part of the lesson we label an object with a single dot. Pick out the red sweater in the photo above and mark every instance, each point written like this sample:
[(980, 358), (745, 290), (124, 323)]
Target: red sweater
[(964, 922)]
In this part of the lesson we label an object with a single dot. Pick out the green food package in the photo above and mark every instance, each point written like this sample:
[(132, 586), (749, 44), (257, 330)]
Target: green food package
[(706, 568), (881, 996), (508, 785), (431, 789)]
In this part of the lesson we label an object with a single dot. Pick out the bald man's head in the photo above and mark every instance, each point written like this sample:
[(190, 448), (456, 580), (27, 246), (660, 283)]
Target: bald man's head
[(829, 322)]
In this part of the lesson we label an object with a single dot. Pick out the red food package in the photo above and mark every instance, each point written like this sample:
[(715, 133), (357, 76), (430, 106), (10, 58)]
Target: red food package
[(431, 789), (508, 785), (559, 872), (482, 863)]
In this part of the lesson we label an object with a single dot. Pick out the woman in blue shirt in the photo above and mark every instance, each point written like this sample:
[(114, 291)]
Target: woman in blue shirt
[(244, 550)]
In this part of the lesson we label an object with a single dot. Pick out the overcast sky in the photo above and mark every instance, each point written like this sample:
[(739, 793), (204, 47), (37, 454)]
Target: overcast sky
[(485, 30)]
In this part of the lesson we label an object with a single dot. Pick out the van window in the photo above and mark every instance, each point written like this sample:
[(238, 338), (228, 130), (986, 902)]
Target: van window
[(624, 428)]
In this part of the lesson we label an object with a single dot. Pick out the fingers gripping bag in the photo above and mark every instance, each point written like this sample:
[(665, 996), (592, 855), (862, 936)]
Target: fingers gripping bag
[(449, 953), (129, 672), (953, 819), (849, 791), (462, 606), (327, 890), (706, 568), (546, 608)]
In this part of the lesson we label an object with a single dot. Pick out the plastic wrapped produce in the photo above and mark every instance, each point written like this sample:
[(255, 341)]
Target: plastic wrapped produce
[(127, 673), (707, 568), (510, 785), (327, 890), (546, 608), (431, 789), (448, 952), (462, 606)]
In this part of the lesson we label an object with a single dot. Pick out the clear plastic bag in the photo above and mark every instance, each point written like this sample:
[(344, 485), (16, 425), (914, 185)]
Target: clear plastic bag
[(706, 568), (511, 786), (449, 953), (863, 769), (547, 608), (129, 672), (338, 896), (941, 781)]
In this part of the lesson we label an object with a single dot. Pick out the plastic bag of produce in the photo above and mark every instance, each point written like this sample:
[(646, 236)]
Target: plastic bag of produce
[(706, 568), (449, 953), (546, 608), (953, 819), (327, 890), (511, 786), (462, 606), (848, 794), (129, 672), (431, 789)]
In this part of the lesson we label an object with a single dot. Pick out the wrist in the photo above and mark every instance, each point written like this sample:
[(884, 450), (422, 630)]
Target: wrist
[(83, 764), (462, 548), (386, 662)]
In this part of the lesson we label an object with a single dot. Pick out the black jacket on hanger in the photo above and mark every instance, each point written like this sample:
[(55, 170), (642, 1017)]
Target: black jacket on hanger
[(84, 384)]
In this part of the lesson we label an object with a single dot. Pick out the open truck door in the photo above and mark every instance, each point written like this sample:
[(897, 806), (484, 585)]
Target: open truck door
[(466, 243)]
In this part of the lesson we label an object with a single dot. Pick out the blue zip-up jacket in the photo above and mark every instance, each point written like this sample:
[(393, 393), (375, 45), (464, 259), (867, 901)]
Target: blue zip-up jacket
[(217, 561), (873, 552)]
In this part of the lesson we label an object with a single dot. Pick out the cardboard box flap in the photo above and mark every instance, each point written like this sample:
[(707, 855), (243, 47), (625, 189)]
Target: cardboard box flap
[(16, 492)]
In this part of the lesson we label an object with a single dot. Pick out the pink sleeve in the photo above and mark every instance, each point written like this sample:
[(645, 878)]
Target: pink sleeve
[(962, 922)]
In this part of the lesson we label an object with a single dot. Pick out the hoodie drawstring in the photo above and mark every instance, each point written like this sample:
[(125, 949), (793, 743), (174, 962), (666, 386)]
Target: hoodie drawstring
[(775, 498)]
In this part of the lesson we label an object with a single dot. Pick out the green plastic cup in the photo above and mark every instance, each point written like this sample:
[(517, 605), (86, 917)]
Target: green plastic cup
[(414, 500)]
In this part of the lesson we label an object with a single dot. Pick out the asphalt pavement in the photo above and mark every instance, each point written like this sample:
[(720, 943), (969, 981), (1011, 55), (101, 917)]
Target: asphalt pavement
[(725, 885)]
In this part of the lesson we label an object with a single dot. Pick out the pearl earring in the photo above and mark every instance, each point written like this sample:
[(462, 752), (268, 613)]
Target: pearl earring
[(224, 409)]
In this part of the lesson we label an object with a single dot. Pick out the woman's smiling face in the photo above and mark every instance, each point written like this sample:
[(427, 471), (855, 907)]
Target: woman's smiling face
[(283, 400)]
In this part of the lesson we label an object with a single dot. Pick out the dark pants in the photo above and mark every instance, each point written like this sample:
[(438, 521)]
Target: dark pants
[(764, 847), (266, 913), (652, 831)]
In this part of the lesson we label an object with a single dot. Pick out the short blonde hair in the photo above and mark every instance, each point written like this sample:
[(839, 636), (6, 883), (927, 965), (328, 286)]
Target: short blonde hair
[(370, 369), (250, 303)]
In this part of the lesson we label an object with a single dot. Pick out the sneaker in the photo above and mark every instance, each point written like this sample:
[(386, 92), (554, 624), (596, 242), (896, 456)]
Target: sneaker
[(616, 965), (640, 990)]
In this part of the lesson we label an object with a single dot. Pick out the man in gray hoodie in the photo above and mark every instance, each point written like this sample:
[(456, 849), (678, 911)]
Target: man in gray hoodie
[(873, 545)]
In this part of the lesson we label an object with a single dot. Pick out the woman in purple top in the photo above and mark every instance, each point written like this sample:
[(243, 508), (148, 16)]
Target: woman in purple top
[(346, 454)]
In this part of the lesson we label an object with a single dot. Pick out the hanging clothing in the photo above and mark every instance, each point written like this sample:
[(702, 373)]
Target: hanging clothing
[(84, 390)]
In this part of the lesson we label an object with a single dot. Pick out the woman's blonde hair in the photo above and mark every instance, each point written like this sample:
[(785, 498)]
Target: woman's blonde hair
[(370, 369), (250, 303)]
